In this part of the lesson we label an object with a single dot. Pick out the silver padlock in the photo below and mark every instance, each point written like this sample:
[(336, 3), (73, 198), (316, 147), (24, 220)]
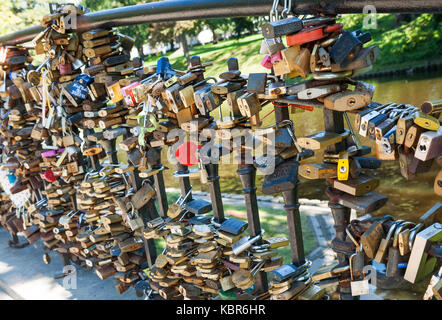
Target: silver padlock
[(134, 220)]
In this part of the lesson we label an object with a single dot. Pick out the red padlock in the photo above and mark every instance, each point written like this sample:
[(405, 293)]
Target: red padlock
[(333, 27), (276, 57), (128, 94), (186, 153), (50, 176), (307, 35)]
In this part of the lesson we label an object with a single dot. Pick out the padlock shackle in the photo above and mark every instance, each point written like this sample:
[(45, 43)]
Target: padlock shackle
[(412, 235), (392, 228)]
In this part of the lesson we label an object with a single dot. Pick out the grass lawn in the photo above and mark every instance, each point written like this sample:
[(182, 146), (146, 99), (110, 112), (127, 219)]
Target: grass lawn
[(274, 222)]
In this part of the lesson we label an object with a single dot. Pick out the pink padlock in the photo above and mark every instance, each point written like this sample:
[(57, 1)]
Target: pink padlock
[(49, 154), (267, 62), (65, 69), (276, 57)]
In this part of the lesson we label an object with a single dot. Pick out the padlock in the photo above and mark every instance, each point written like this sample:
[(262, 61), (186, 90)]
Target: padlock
[(271, 46), (79, 88), (173, 98), (420, 263), (348, 46), (429, 145), (176, 208), (249, 104), (318, 92), (403, 124), (306, 35), (429, 107), (267, 62), (347, 100), (142, 196), (233, 226), (290, 62), (318, 171), (198, 206), (114, 91), (256, 82), (366, 203), (187, 96), (382, 251), (412, 136), (394, 256), (365, 58), (283, 178), (343, 166), (358, 287), (281, 27), (322, 139), (65, 69), (128, 94), (426, 121), (356, 186), (371, 238)]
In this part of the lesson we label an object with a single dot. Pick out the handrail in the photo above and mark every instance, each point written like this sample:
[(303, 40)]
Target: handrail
[(175, 10)]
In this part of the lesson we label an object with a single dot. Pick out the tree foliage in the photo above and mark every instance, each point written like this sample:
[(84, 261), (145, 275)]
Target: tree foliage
[(17, 15)]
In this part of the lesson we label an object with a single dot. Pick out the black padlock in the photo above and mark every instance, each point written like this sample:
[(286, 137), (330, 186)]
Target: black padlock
[(141, 287), (233, 226), (287, 271), (281, 27), (198, 206), (348, 46), (373, 123), (257, 82), (200, 220), (284, 178)]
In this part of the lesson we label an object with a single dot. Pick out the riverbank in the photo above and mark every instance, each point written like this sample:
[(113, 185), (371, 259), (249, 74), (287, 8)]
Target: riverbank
[(420, 67)]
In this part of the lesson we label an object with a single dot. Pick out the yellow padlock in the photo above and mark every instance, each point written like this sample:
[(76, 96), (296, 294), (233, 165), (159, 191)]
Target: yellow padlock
[(426, 121), (114, 91), (170, 82), (343, 166)]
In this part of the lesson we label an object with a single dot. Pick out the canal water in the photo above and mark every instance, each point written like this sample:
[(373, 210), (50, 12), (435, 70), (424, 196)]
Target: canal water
[(407, 199)]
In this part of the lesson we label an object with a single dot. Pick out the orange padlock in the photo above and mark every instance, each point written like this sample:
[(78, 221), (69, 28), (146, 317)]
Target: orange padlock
[(306, 35)]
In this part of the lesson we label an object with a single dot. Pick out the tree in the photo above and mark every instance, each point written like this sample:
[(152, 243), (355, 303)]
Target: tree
[(216, 26), (241, 24), (17, 15)]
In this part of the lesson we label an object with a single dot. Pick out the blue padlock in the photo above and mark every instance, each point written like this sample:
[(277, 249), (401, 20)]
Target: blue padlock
[(115, 251), (79, 88), (12, 178), (164, 68)]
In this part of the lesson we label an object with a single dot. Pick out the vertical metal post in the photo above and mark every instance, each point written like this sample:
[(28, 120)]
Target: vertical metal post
[(148, 212), (184, 181), (160, 187), (334, 122), (215, 191), (291, 206), (247, 174)]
